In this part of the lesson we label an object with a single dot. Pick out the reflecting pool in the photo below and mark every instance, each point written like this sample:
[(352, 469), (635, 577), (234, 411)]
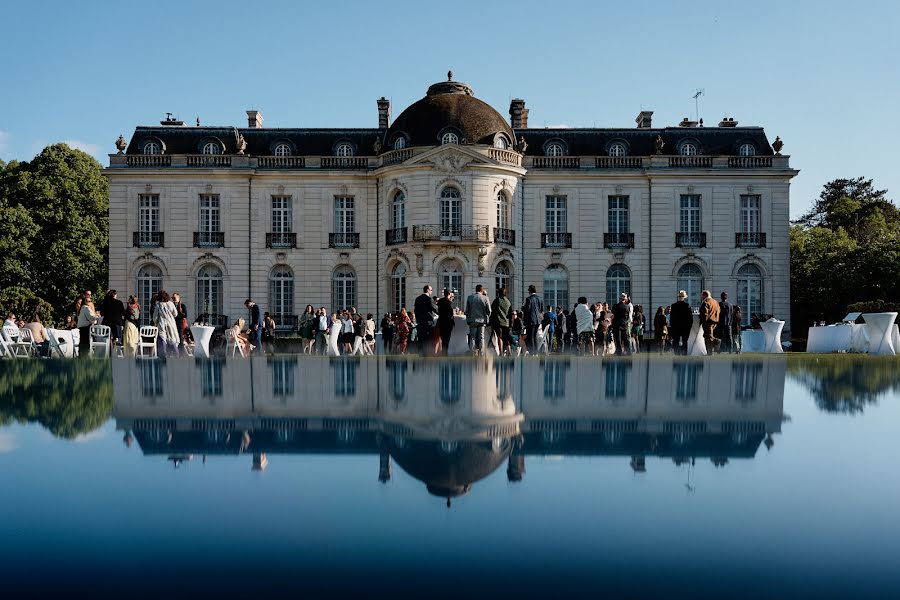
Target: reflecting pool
[(698, 477)]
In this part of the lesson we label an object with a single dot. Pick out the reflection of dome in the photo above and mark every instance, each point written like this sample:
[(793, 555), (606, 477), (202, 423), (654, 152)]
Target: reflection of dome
[(450, 106), (449, 474)]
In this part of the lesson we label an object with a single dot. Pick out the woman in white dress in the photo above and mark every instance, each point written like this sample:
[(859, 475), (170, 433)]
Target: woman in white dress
[(164, 317)]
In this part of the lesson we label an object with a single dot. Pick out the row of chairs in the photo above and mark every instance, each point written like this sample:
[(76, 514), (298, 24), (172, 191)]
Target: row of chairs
[(19, 343)]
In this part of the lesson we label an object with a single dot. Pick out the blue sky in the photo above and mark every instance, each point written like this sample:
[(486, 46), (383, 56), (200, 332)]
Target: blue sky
[(823, 75)]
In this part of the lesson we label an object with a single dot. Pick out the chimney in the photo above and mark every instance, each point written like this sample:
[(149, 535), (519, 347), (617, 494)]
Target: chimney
[(644, 119), (384, 113), (687, 123), (254, 119), (518, 114), (728, 122)]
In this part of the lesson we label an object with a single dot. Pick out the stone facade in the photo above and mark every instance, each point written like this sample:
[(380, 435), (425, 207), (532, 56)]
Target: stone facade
[(713, 198)]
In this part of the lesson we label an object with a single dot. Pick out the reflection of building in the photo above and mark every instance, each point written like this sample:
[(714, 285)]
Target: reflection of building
[(451, 423)]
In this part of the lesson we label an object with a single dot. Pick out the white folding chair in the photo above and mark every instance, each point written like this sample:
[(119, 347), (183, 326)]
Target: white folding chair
[(232, 343), (10, 341), (147, 335), (55, 346), (542, 341), (26, 342), (100, 335)]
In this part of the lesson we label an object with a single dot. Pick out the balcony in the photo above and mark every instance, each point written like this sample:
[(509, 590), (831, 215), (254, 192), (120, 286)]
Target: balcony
[(148, 160), (749, 162), (556, 240), (281, 162), (506, 157), (285, 322), (620, 162), (690, 240), (395, 157), (396, 236), (618, 240), (557, 162), (209, 239), (747, 239), (504, 236), (208, 160), (451, 233), (691, 162), (343, 240), (281, 240), (344, 162), (148, 239)]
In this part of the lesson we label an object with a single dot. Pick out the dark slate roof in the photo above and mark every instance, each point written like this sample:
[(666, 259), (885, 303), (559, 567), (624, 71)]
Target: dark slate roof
[(642, 142), (424, 121)]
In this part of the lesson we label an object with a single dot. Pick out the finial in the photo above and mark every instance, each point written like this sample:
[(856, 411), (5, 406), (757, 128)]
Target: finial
[(198, 121), (777, 145), (449, 75), (121, 144)]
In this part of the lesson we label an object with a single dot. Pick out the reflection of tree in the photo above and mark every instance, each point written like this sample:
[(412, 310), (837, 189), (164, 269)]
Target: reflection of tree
[(67, 397), (846, 383)]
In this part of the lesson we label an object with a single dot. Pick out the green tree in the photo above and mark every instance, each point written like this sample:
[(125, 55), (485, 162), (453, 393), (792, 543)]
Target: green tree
[(843, 202)]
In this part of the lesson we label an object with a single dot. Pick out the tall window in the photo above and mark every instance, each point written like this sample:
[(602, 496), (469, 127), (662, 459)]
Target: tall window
[(690, 279), (618, 149), (281, 295), (749, 291), (616, 379), (618, 281), (750, 214), (618, 214), (282, 214), (343, 288), (344, 214), (687, 376), (211, 379), (688, 149), (282, 149), (210, 219), (503, 211), (345, 384), (450, 138), (397, 378), (554, 379), (283, 376), (451, 277), (344, 149), (398, 210), (689, 214), (209, 290), (451, 211), (556, 286), (556, 217), (212, 148), (398, 287), (503, 279), (747, 150), (151, 148), (148, 218), (555, 149), (450, 382), (149, 282)]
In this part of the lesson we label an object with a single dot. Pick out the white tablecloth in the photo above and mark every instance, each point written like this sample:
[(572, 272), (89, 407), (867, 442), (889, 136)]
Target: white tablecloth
[(772, 330), (880, 327), (333, 338), (753, 340), (696, 343), (202, 335), (459, 341)]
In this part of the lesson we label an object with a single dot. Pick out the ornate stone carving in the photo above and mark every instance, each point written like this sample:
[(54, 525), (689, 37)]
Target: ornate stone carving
[(501, 185), (377, 147), (121, 144), (618, 189), (241, 144), (344, 189), (420, 263), (523, 145), (208, 187), (659, 144), (556, 189), (750, 189), (690, 189), (148, 187), (396, 184), (280, 257), (482, 259), (451, 181), (344, 258), (777, 145), (451, 162)]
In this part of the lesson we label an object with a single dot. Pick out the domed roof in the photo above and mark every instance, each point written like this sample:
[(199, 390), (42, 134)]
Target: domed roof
[(448, 105)]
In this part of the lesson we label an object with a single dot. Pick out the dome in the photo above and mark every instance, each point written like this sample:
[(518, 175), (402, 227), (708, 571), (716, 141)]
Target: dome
[(449, 106)]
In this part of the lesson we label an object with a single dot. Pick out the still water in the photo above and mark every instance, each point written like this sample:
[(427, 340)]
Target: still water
[(638, 477)]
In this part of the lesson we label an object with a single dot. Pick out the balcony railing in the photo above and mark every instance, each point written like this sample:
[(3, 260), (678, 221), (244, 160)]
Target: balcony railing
[(507, 157), (557, 162), (343, 240), (619, 162), (690, 240), (215, 320), (396, 236), (281, 240), (345, 162), (149, 239), (749, 162), (504, 236), (618, 240), (452, 233), (749, 239), (208, 160), (285, 322), (148, 160), (281, 162), (556, 240), (209, 239), (691, 162), (396, 156)]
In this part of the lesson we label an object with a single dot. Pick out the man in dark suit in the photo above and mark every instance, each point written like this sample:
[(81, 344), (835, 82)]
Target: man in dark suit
[(255, 328), (425, 309), (533, 313), (445, 319), (680, 322)]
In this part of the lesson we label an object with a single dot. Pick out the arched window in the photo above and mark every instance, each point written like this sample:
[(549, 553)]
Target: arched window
[(749, 292), (282, 149), (151, 148), (618, 149), (281, 296), (398, 211), (501, 142), (555, 149), (400, 143), (690, 279), (747, 150), (451, 277), (688, 149), (556, 286), (451, 212), (618, 281), (212, 148), (503, 279), (149, 282), (343, 288), (450, 138), (502, 211), (343, 149), (209, 292), (398, 287)]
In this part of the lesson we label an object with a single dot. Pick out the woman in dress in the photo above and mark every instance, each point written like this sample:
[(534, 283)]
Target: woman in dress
[(403, 329), (164, 314), (131, 335), (515, 333), (243, 343), (268, 335), (660, 328), (308, 323)]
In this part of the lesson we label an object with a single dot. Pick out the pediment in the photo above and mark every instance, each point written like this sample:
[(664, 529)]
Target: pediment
[(450, 158)]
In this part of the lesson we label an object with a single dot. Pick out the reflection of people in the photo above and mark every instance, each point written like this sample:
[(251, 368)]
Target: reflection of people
[(681, 320)]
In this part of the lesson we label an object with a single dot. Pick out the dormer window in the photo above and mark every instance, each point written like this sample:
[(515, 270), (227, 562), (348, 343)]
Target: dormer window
[(400, 143), (151, 148), (449, 138), (618, 149), (555, 149), (282, 149), (747, 150), (212, 148), (688, 149), (501, 142), (343, 149)]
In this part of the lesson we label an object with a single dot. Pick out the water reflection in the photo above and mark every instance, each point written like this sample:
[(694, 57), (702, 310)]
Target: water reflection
[(846, 384), (451, 423)]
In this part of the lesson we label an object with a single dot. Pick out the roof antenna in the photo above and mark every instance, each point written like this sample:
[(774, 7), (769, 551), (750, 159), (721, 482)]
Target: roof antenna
[(168, 116), (699, 92)]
